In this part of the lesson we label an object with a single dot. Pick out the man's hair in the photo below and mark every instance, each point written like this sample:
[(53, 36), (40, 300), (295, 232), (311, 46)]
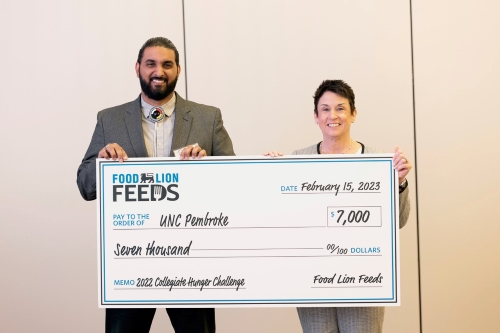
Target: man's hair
[(159, 41), (338, 87)]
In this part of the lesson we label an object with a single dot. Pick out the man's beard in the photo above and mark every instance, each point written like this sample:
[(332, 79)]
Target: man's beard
[(157, 94)]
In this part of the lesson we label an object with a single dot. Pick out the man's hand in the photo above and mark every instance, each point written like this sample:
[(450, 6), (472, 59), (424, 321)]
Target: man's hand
[(192, 151), (113, 151)]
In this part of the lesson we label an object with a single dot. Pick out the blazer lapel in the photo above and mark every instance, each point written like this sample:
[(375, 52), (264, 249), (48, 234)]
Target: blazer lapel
[(133, 120), (182, 124)]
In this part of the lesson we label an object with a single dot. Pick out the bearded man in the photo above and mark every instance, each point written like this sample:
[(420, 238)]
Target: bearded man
[(155, 124)]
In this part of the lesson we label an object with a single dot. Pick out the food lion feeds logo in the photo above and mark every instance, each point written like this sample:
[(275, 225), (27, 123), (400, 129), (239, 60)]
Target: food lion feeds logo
[(145, 186)]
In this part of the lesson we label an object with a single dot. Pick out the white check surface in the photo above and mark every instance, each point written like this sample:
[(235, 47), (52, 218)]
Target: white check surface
[(248, 231)]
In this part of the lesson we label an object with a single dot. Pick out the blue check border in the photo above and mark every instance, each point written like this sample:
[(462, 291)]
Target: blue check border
[(101, 167)]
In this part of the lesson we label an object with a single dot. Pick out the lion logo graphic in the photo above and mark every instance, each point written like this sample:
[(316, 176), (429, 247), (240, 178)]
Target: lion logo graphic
[(147, 178)]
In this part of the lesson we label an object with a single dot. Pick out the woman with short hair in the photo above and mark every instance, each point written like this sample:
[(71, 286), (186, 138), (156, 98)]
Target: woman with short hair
[(334, 113)]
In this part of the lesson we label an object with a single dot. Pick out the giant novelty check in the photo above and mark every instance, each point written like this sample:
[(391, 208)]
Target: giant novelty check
[(248, 231)]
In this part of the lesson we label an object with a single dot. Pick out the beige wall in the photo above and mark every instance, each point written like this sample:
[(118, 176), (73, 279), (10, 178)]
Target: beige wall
[(259, 61), (262, 69), (456, 88), (62, 62)]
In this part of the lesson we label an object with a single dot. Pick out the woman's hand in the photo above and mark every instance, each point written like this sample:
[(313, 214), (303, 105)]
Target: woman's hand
[(401, 164), (273, 153)]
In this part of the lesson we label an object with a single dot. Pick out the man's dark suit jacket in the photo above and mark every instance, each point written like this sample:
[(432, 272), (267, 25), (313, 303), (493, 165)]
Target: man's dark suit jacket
[(194, 123)]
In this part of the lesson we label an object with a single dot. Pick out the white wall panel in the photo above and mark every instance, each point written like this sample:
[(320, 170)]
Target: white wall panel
[(63, 61), (457, 72), (261, 61)]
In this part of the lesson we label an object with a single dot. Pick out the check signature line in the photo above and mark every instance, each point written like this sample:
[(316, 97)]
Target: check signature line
[(168, 288), (268, 248), (218, 228), (236, 257)]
